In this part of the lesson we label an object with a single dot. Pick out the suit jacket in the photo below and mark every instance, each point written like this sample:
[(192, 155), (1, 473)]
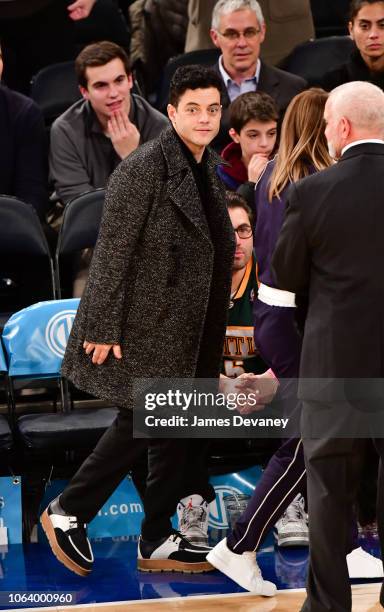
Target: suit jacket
[(282, 86), (160, 279), (331, 249)]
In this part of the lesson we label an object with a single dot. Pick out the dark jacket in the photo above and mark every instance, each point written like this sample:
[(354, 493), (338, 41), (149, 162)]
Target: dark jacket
[(331, 249), (282, 86), (158, 33), (234, 174), (23, 151), (81, 156), (353, 70), (159, 281)]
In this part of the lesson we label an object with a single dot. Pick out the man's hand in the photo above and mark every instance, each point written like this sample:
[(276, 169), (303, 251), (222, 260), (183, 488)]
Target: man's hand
[(256, 166), (125, 136), (263, 386), (80, 9), (101, 351)]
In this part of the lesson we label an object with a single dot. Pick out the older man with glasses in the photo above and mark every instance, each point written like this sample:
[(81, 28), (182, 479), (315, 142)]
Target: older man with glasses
[(238, 30)]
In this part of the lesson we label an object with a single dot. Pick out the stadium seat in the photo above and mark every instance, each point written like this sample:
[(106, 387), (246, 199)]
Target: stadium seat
[(26, 266), (206, 57), (80, 227), (34, 340), (312, 59), (54, 89)]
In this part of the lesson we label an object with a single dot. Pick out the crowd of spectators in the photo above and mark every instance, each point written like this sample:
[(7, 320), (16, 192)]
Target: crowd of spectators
[(113, 116)]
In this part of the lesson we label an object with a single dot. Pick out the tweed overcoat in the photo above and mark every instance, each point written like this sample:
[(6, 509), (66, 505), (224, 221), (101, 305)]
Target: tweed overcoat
[(160, 278)]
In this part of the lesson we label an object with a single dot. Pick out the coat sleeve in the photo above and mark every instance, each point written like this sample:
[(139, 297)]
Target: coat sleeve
[(31, 175), (291, 258), (129, 198), (68, 174)]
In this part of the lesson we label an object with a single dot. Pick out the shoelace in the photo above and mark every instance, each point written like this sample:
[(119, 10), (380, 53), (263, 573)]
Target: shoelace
[(294, 512), (74, 525)]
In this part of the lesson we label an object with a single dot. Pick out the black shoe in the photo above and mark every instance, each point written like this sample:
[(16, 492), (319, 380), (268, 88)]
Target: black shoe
[(68, 539), (172, 554)]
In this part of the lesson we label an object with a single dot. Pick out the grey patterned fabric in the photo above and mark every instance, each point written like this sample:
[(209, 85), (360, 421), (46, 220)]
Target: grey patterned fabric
[(160, 280)]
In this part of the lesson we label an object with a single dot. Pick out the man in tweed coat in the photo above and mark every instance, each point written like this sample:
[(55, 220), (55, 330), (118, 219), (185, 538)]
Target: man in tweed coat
[(155, 306)]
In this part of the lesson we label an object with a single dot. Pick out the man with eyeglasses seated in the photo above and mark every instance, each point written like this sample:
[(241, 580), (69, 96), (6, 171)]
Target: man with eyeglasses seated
[(238, 30)]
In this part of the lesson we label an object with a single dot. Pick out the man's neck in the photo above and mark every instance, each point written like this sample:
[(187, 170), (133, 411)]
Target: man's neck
[(237, 277), (196, 150), (240, 75)]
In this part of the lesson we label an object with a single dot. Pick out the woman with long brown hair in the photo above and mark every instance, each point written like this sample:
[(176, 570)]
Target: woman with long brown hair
[(302, 151)]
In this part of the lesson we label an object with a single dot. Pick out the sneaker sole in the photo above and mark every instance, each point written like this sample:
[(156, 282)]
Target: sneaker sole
[(170, 565), (292, 542), (57, 551)]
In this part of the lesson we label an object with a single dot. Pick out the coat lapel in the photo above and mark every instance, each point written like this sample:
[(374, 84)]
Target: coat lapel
[(182, 189)]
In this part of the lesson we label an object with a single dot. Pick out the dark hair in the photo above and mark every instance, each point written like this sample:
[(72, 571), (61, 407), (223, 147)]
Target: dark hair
[(235, 200), (192, 77), (252, 105), (356, 5), (99, 54)]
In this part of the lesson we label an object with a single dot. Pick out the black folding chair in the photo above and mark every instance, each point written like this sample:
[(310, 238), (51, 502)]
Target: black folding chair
[(54, 89), (312, 59), (26, 266), (205, 57), (80, 227)]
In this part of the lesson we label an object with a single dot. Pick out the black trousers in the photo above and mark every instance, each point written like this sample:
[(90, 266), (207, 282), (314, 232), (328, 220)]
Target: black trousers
[(334, 468), (176, 468)]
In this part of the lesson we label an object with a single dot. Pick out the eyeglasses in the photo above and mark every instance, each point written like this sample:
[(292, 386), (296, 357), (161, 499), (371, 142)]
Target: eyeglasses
[(233, 35), (244, 231)]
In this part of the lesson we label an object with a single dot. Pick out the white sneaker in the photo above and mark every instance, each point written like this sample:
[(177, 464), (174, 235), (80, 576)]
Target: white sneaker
[(192, 512), (242, 569), (292, 527), (363, 565)]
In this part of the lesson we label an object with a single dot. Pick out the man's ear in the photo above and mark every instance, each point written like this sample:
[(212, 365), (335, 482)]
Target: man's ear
[(84, 92), (345, 127), (215, 38), (350, 29), (171, 110), (234, 135)]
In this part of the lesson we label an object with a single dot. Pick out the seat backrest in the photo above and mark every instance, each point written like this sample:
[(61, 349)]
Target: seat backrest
[(20, 229), (81, 222), (54, 89), (26, 266), (312, 59), (205, 57), (35, 338)]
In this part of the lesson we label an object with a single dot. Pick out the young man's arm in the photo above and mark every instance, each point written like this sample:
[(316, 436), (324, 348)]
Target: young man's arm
[(68, 173)]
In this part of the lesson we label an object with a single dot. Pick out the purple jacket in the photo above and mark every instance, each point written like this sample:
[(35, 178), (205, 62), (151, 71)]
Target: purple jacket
[(269, 217)]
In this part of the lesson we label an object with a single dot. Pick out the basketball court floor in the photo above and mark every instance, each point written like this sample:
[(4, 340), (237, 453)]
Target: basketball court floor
[(31, 577)]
